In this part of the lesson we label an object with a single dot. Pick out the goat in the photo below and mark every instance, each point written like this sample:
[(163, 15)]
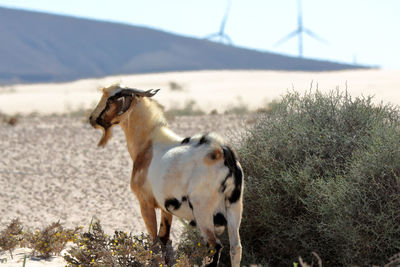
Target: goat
[(196, 178)]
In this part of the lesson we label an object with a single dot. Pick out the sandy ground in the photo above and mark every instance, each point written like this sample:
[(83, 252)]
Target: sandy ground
[(51, 169), (210, 89)]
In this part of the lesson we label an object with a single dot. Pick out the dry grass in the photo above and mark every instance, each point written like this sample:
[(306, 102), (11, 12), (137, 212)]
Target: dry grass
[(49, 241), (11, 236)]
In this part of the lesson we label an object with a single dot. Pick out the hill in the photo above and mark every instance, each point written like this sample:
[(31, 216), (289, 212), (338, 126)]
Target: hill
[(39, 47)]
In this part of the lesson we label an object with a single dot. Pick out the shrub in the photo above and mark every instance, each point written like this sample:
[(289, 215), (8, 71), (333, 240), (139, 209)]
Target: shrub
[(50, 241), (95, 248), (322, 174), (11, 236), (192, 247)]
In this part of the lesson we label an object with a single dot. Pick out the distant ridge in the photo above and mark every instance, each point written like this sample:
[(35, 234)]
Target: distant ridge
[(40, 47)]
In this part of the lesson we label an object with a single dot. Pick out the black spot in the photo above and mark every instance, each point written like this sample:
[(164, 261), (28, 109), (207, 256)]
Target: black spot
[(186, 140), (184, 199), (219, 219), (172, 202), (223, 184), (203, 140), (235, 196), (230, 162), (190, 205), (192, 223)]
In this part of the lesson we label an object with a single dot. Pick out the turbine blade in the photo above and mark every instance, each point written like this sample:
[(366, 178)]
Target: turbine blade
[(287, 37), (315, 36), (225, 18)]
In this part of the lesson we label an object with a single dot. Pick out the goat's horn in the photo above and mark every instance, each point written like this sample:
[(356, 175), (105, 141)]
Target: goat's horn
[(151, 92), (138, 92)]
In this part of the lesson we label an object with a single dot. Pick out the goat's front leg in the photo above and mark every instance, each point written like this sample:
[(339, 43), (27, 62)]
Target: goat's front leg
[(149, 217), (165, 226)]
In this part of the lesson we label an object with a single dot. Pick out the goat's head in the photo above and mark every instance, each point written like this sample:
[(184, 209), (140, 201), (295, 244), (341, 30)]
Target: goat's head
[(113, 107)]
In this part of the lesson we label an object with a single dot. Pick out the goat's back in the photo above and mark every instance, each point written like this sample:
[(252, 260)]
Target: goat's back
[(199, 166)]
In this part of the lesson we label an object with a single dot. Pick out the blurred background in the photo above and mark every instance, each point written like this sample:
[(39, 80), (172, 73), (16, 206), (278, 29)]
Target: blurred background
[(48, 41)]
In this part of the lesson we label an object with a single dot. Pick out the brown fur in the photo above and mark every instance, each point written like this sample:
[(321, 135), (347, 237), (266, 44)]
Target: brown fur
[(212, 157), (146, 199)]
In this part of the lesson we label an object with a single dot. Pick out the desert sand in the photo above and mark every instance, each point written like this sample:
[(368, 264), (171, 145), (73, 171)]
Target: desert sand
[(51, 168)]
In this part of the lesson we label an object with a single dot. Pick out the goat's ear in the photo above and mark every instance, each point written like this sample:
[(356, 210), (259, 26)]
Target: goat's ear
[(123, 103)]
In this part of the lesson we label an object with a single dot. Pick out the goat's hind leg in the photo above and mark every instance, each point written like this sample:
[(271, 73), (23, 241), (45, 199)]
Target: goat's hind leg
[(163, 235), (234, 215), (204, 221), (165, 227)]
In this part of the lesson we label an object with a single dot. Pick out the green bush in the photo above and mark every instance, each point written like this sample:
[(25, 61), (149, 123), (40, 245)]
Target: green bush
[(322, 174)]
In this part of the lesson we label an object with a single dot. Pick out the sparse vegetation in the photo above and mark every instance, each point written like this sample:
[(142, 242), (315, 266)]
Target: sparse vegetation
[(10, 120), (238, 108), (322, 174), (192, 245), (189, 109), (7, 89), (95, 247), (269, 107), (121, 249), (11, 236), (174, 86), (50, 241)]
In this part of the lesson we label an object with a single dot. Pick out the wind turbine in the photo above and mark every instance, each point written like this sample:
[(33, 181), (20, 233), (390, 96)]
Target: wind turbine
[(299, 32), (221, 36)]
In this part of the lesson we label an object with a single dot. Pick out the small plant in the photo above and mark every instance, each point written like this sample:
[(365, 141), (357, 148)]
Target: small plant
[(11, 236), (10, 120), (49, 241), (238, 108), (191, 245), (122, 249), (174, 86)]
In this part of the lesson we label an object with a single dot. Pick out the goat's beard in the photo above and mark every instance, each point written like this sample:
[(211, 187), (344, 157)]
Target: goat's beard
[(106, 136)]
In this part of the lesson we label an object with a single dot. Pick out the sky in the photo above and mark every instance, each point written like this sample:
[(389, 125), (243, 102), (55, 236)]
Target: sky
[(356, 31)]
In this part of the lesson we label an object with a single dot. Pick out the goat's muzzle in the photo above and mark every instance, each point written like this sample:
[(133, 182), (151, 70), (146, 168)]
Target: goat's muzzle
[(98, 122)]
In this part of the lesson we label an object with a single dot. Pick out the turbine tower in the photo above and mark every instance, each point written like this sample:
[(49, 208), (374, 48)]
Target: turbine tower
[(299, 32), (221, 36)]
